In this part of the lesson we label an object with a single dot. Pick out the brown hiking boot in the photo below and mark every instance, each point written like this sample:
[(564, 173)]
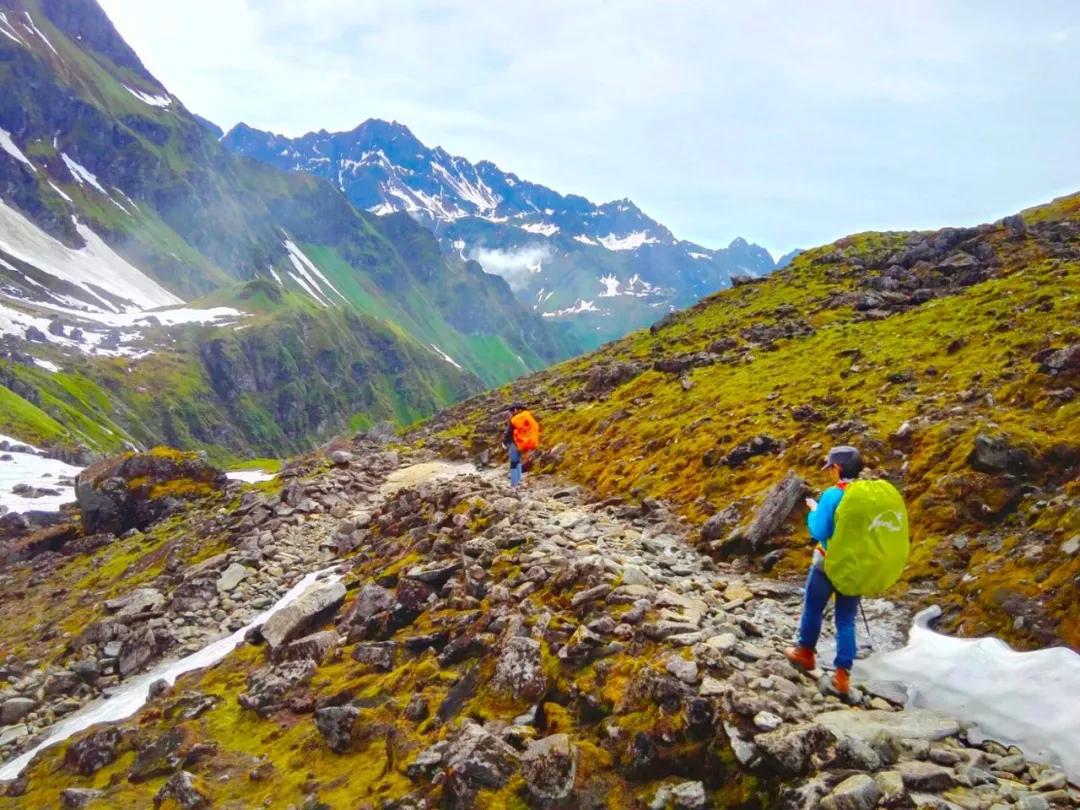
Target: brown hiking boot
[(841, 681), (801, 657)]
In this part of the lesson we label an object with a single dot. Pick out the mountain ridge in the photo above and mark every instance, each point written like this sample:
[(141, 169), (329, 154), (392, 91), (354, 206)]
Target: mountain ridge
[(116, 200), (604, 268)]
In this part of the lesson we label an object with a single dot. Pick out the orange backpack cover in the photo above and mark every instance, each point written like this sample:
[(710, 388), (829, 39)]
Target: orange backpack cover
[(526, 431)]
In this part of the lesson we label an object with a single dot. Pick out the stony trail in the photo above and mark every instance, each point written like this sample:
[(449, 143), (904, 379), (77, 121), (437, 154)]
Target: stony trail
[(600, 614)]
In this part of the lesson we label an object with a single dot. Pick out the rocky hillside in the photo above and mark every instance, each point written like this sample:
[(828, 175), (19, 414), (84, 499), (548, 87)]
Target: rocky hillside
[(465, 646), (603, 270), (156, 287), (950, 357)]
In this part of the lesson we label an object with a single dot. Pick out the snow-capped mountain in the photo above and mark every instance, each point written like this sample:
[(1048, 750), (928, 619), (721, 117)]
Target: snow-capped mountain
[(606, 267), (157, 288)]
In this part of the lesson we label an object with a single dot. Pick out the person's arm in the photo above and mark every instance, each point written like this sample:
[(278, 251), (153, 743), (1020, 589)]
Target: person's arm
[(508, 436), (820, 520)]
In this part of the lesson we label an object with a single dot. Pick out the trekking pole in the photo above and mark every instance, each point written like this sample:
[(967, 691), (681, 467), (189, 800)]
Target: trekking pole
[(862, 610)]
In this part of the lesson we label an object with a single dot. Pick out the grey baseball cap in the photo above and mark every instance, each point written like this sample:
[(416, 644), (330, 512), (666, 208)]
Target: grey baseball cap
[(842, 455)]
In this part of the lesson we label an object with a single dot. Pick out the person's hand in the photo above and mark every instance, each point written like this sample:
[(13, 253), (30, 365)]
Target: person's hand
[(811, 504)]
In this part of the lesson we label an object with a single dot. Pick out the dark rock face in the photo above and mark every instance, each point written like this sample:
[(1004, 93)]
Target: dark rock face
[(995, 454), (757, 446), (602, 378), (774, 510), (290, 621), (184, 790), (163, 756), (335, 724), (268, 687), (134, 490), (1063, 363), (519, 670), (550, 767), (88, 755), (138, 649)]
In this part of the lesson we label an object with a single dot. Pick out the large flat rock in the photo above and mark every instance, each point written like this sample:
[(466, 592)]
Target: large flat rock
[(293, 620), (919, 724)]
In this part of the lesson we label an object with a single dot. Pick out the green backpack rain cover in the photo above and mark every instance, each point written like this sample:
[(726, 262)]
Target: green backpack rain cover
[(870, 545)]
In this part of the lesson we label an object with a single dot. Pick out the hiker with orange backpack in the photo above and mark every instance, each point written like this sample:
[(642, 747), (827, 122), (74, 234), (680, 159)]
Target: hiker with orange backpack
[(521, 438), (861, 529)]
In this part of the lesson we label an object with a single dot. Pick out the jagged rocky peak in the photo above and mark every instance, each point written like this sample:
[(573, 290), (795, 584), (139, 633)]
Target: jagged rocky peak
[(604, 268)]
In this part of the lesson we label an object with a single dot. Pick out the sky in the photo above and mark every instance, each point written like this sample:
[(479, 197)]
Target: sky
[(790, 124)]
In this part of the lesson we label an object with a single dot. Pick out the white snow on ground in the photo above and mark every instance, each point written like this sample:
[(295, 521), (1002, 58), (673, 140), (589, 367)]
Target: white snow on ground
[(585, 240), (1028, 699), (37, 31), (445, 356), (132, 694), (96, 264), (610, 285), (542, 228), (310, 272), (631, 241), (9, 146), (699, 255), (82, 174), (250, 476), (578, 307), (47, 365), (16, 322), (36, 471), (147, 98), (277, 278)]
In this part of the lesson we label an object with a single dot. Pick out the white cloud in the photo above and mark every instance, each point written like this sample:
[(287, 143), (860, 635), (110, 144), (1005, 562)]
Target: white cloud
[(516, 266)]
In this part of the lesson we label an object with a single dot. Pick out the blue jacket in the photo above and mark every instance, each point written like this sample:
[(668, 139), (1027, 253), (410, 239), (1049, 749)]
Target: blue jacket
[(821, 521)]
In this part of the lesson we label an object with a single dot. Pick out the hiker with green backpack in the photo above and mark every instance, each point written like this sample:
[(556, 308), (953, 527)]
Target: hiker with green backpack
[(861, 529)]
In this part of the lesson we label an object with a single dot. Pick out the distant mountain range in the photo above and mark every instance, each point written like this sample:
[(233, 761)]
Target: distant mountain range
[(605, 269), (155, 287)]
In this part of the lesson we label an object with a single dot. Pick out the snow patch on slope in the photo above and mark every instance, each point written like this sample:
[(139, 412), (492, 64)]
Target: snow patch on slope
[(8, 30), (445, 356), (81, 174), (578, 307), (631, 241), (148, 98), (95, 265), (610, 286), (38, 472), (314, 280), (33, 27), (542, 228), (1026, 699), (9, 146)]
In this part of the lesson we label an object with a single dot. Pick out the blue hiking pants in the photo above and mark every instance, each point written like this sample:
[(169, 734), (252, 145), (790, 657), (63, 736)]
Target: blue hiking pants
[(515, 465), (818, 591)]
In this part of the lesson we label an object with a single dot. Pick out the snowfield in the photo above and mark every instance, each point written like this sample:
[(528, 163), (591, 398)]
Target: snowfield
[(1027, 699), (9, 146), (578, 307), (250, 476), (38, 472), (95, 265), (541, 228), (147, 98), (631, 241)]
